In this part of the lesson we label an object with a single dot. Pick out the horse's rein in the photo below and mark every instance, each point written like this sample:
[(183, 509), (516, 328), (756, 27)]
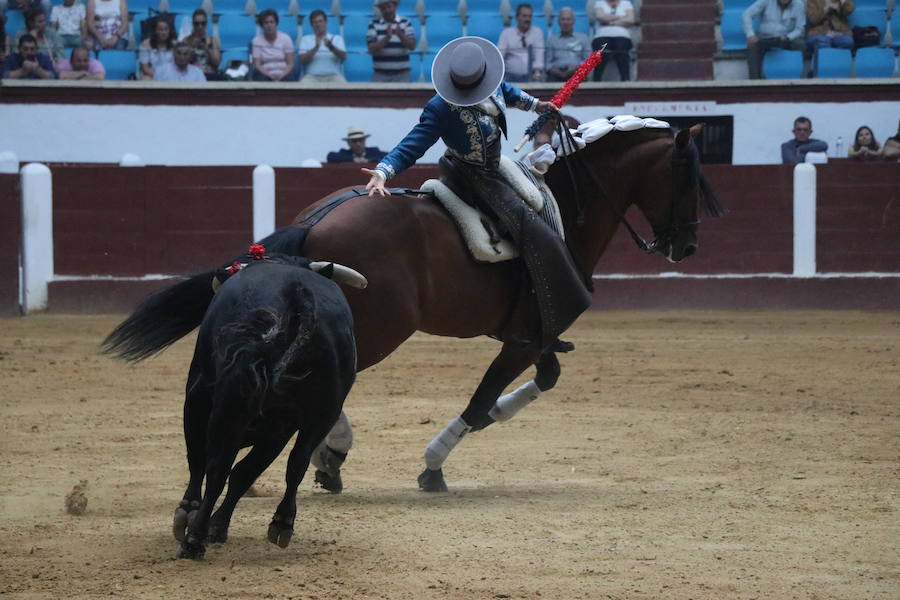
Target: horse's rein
[(566, 137)]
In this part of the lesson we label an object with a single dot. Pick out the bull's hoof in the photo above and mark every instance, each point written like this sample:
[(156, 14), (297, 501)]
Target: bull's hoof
[(280, 533), (327, 482), (184, 516), (191, 548), (432, 481)]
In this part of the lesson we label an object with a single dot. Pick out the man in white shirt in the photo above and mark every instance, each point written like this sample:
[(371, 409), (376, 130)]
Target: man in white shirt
[(321, 53), (181, 69), (522, 47)]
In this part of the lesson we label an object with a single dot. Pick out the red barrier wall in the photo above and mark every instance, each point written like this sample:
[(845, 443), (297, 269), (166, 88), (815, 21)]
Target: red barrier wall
[(10, 232), (135, 221)]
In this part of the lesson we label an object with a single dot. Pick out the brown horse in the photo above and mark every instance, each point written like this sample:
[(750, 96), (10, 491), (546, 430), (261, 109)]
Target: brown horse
[(422, 278)]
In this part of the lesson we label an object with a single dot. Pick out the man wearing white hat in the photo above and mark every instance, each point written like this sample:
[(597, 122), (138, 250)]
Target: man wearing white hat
[(358, 151), (469, 115)]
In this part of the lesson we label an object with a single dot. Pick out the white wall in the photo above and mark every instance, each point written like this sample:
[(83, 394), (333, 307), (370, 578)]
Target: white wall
[(284, 136)]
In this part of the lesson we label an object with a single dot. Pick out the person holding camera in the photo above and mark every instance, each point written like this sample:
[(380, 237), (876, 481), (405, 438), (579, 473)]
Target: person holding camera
[(389, 41), (781, 24), (207, 51)]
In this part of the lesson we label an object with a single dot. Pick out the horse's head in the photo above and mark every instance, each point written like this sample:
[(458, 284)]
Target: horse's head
[(675, 222)]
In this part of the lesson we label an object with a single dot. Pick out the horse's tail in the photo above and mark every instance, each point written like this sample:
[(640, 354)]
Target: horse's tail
[(262, 353), (171, 313)]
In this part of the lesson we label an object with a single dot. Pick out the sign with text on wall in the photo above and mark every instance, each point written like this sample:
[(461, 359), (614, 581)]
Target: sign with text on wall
[(645, 109)]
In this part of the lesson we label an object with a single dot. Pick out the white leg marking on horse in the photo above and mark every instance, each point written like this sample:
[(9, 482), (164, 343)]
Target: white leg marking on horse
[(340, 439), (437, 449), (507, 406)]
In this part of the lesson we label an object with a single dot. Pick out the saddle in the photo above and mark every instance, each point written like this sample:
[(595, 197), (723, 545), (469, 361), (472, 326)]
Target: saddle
[(478, 230)]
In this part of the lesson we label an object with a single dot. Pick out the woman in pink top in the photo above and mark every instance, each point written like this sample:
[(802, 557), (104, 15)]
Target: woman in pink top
[(272, 51)]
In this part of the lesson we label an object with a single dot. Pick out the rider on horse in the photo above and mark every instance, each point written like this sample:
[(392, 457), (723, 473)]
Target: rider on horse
[(469, 113)]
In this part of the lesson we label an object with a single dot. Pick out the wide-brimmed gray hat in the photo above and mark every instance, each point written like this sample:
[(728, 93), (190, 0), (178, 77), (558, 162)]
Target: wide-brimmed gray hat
[(467, 70), (355, 132)]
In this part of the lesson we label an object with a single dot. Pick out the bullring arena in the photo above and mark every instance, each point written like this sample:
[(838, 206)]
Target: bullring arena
[(727, 427)]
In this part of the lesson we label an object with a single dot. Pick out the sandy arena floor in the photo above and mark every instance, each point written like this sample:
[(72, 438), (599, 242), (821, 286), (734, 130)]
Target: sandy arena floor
[(683, 455)]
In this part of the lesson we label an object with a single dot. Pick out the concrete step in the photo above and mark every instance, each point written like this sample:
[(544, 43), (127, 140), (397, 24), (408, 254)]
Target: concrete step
[(677, 49), (674, 69), (668, 13), (685, 32)]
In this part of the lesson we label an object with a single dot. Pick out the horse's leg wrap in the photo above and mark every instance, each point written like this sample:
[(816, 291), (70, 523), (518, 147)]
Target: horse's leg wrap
[(508, 405), (337, 442), (439, 448)]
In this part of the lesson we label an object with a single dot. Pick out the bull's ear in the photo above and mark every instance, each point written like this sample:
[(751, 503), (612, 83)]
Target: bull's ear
[(325, 269)]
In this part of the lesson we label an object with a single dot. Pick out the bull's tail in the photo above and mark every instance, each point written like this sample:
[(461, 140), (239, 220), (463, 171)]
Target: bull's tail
[(261, 354), (169, 314)]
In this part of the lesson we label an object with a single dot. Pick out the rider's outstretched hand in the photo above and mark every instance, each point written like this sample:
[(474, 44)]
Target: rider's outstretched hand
[(376, 183)]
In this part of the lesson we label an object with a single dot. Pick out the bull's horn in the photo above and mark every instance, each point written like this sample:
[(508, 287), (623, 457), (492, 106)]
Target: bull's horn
[(341, 274)]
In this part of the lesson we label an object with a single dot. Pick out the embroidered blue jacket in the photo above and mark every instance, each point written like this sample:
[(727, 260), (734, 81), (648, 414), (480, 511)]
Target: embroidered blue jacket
[(470, 133)]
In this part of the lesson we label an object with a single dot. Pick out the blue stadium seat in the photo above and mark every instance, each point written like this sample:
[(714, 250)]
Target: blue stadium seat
[(487, 26), (288, 24), (236, 31), (232, 7), (358, 67), (425, 68), (15, 21), (183, 7), (355, 7), (355, 28), (783, 64), (895, 28), (119, 64), (733, 37), (241, 54), (441, 30), (739, 5), (441, 7), (864, 16), (142, 7), (833, 62), (874, 62)]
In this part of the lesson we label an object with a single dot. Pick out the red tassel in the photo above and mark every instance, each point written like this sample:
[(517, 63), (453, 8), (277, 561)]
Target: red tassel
[(580, 74), (234, 268), (256, 251)]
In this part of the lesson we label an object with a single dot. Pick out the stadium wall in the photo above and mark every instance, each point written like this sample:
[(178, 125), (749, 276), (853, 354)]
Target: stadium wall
[(120, 232), (284, 124)]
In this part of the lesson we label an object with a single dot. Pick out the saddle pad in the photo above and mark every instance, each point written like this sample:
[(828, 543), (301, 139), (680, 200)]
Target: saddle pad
[(468, 220)]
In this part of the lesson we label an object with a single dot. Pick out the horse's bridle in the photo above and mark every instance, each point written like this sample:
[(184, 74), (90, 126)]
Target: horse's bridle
[(663, 237)]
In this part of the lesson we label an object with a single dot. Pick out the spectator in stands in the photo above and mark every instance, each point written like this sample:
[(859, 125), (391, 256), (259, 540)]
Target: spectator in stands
[(827, 24), (68, 19), (781, 24), (794, 151), (389, 41), (322, 53), (891, 149), (156, 50), (522, 47), (180, 69), (613, 19), (272, 51), (107, 22), (81, 66), (864, 147), (358, 152), (207, 51), (567, 50), (28, 63), (4, 39), (48, 40)]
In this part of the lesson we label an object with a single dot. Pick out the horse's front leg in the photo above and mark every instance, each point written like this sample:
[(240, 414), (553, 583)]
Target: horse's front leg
[(484, 407)]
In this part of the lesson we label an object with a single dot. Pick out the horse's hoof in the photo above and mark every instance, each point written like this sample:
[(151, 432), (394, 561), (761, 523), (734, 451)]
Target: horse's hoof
[(327, 482), (218, 534), (561, 346), (191, 548), (183, 519), (432, 481), (280, 534)]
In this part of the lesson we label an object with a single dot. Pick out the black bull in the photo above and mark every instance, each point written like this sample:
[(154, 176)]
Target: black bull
[(275, 355)]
